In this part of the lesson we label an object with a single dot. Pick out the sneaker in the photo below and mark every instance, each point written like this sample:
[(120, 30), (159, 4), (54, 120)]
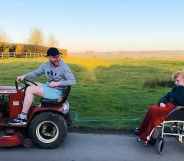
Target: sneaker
[(138, 139), (142, 141), (18, 122), (137, 131)]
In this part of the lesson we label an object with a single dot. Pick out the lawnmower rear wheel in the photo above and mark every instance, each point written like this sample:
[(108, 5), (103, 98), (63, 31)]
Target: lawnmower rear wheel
[(47, 130)]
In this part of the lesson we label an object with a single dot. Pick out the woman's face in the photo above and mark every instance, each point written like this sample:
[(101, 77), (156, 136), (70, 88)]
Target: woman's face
[(179, 81)]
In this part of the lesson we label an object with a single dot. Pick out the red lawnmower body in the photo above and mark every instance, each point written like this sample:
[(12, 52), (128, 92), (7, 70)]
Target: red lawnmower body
[(14, 135)]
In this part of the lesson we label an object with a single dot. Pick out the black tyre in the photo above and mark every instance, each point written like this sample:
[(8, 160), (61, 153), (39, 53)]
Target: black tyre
[(47, 130), (68, 119), (160, 145), (155, 136), (152, 141)]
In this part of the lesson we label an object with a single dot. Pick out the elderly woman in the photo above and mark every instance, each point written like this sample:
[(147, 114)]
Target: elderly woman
[(157, 113)]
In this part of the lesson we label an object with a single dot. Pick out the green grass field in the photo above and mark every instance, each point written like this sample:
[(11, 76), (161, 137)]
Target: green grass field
[(110, 91)]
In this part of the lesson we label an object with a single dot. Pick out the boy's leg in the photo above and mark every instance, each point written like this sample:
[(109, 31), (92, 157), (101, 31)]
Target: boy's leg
[(154, 117), (28, 100), (29, 96)]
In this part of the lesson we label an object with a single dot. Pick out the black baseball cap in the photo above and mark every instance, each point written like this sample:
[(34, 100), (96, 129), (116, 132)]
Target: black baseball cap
[(53, 52)]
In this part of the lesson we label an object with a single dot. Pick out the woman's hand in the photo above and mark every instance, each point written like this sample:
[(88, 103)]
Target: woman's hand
[(162, 104)]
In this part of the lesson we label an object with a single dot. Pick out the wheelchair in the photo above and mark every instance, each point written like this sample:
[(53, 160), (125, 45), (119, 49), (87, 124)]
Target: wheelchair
[(172, 126)]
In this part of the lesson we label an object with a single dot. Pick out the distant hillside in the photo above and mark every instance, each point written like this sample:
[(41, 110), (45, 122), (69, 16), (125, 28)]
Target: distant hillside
[(160, 55), (134, 52)]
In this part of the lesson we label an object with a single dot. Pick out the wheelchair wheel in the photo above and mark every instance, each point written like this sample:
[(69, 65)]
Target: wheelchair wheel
[(152, 141), (160, 143), (155, 135)]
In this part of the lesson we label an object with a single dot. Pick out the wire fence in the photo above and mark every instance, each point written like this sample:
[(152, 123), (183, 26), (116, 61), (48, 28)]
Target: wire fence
[(21, 54)]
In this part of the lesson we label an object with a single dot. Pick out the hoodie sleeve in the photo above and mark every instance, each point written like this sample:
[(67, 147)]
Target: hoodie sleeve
[(69, 78), (169, 97), (35, 73)]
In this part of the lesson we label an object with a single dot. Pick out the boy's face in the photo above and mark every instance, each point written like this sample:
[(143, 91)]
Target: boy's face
[(179, 81), (55, 60)]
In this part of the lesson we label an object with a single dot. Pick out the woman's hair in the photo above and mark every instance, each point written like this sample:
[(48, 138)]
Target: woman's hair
[(178, 73)]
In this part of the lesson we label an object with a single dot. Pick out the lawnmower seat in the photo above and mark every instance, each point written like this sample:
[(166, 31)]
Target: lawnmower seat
[(60, 101), (176, 114)]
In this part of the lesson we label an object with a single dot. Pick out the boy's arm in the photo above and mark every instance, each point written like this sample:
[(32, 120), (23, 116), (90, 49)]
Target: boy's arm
[(168, 97), (69, 77), (35, 73)]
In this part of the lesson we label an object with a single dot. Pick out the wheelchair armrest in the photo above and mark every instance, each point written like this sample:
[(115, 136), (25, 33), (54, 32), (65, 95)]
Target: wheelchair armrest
[(176, 114), (179, 107)]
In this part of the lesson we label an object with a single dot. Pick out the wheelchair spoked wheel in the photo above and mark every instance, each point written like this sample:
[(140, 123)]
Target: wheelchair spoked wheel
[(155, 135), (152, 141), (160, 143)]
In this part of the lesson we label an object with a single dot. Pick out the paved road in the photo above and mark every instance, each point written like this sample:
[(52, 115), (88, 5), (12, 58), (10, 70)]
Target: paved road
[(97, 147)]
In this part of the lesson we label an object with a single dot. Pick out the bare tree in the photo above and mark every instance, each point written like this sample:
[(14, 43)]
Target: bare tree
[(52, 41), (36, 37), (3, 37)]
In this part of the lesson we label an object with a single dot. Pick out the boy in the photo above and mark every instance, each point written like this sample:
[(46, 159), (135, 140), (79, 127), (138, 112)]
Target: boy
[(58, 74)]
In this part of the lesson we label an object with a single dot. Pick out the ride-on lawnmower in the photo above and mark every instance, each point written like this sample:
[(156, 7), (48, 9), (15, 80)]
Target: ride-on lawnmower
[(47, 122)]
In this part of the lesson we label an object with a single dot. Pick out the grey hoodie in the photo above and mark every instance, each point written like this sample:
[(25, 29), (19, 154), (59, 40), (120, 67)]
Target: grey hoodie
[(62, 73)]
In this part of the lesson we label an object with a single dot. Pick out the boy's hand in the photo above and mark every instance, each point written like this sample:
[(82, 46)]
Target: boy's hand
[(162, 105), (20, 78), (54, 84)]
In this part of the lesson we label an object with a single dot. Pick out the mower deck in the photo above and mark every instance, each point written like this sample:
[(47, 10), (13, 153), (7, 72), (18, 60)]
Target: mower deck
[(9, 136)]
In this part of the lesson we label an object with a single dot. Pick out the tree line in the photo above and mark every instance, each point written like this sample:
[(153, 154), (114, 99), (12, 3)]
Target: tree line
[(34, 44)]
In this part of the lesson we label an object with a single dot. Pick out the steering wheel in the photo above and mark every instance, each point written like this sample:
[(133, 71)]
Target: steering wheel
[(25, 83)]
